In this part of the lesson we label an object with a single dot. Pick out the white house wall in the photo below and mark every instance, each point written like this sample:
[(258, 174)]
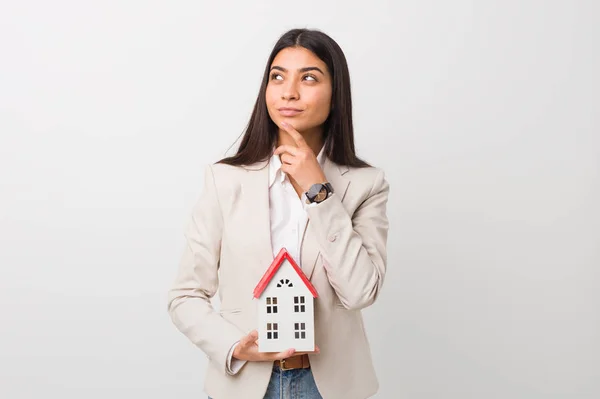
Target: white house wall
[(285, 316)]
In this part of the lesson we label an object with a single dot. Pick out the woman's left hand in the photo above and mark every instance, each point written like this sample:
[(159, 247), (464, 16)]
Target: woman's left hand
[(300, 162)]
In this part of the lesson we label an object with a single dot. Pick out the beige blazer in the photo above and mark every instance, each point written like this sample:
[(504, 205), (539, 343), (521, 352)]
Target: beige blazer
[(228, 246)]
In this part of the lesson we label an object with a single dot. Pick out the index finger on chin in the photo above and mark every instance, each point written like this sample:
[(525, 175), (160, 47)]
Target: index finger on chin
[(295, 134)]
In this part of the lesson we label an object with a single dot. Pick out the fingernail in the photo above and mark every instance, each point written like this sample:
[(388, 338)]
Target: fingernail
[(285, 124)]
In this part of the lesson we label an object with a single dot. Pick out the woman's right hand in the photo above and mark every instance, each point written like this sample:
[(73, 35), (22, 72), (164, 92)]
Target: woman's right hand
[(247, 349)]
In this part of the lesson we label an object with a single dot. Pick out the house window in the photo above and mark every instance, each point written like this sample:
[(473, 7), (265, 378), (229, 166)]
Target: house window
[(271, 304), (284, 282), (299, 304), (272, 332), (300, 330)]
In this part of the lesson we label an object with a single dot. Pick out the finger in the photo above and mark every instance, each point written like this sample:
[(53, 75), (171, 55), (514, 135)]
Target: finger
[(285, 148), (270, 356), (250, 338), (295, 134), (253, 336), (287, 169), (287, 159), (315, 352), (283, 355)]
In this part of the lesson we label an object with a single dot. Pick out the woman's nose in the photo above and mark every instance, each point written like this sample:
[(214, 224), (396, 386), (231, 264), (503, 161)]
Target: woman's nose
[(289, 92)]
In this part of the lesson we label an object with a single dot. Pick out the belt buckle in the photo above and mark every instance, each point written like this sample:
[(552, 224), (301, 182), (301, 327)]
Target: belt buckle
[(282, 365)]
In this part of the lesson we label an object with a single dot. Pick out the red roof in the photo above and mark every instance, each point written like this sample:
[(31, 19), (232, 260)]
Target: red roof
[(277, 262)]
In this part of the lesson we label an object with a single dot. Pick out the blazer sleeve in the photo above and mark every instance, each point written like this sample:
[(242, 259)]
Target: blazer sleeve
[(197, 281), (354, 246)]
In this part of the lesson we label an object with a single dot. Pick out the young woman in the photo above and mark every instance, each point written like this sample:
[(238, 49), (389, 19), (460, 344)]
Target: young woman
[(295, 183)]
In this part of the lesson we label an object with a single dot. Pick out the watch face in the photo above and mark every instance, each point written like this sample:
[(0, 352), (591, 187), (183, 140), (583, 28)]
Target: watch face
[(314, 190), (318, 192), (322, 195)]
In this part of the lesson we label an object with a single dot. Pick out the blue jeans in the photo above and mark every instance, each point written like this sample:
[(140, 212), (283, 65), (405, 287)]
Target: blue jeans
[(292, 384)]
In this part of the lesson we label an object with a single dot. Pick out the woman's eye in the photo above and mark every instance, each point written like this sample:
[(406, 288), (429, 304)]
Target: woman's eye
[(310, 78)]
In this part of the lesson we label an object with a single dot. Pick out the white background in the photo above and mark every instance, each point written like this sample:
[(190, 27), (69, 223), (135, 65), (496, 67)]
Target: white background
[(484, 114)]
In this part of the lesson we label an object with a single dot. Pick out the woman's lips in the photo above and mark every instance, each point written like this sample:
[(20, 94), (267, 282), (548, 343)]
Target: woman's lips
[(289, 111)]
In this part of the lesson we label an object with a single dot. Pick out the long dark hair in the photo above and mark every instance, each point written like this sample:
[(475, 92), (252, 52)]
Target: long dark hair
[(338, 133)]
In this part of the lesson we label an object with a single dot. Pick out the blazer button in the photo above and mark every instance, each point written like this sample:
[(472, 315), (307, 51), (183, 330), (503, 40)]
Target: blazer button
[(332, 238)]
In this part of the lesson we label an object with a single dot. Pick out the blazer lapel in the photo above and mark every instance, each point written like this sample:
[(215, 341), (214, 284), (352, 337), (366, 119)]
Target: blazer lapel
[(310, 247), (257, 212)]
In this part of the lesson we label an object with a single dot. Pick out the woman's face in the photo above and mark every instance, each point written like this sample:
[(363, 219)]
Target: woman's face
[(299, 89)]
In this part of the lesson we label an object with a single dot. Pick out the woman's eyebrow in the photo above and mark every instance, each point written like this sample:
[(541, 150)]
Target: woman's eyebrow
[(305, 69)]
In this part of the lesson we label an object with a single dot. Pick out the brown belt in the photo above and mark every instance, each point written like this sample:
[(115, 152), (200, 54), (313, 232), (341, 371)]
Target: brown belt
[(294, 362)]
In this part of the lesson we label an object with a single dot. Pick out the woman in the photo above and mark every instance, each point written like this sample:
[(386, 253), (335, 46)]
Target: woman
[(295, 183)]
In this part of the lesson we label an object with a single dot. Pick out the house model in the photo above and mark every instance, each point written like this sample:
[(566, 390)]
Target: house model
[(285, 307)]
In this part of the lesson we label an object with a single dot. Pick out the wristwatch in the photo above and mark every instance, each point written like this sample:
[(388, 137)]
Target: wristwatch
[(318, 192)]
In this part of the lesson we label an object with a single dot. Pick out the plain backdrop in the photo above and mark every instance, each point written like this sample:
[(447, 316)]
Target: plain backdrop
[(485, 116)]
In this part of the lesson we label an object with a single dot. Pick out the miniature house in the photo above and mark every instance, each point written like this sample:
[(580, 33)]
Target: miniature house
[(285, 307)]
